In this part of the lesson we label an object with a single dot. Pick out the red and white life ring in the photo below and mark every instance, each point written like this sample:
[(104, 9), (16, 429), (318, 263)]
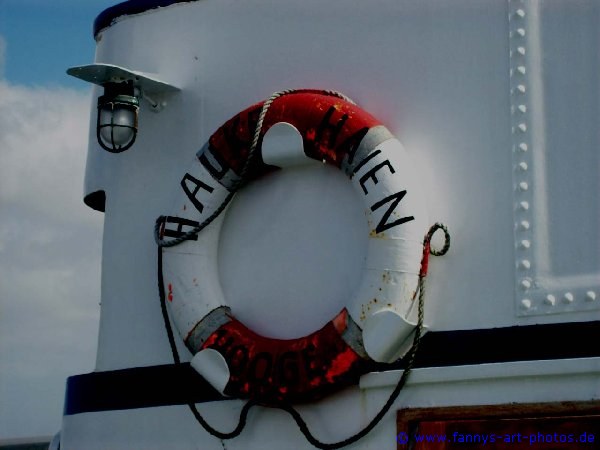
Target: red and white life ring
[(374, 324)]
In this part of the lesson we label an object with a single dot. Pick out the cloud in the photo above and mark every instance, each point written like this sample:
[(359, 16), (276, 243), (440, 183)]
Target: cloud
[(50, 247), (44, 141)]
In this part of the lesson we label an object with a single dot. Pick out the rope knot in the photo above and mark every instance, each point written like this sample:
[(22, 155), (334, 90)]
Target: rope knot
[(428, 250)]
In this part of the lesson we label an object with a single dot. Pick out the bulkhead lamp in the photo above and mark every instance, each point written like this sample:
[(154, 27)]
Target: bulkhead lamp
[(117, 120), (118, 107)]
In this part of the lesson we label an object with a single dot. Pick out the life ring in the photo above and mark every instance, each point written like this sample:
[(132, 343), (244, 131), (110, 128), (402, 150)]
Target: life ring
[(373, 326)]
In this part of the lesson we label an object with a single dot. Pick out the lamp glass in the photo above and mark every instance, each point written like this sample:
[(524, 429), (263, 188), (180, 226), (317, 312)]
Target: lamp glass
[(117, 126), (117, 122)]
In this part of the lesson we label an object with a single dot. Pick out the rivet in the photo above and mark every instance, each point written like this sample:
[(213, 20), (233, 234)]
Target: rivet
[(525, 303), (523, 166), (521, 51), (523, 147), (525, 284), (550, 300), (525, 264), (523, 186), (521, 32), (568, 298), (590, 296), (522, 108), (524, 225), (525, 243), (522, 70), (521, 13), (524, 206), (523, 127)]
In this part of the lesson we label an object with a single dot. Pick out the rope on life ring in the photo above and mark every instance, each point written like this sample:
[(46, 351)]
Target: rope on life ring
[(236, 360)]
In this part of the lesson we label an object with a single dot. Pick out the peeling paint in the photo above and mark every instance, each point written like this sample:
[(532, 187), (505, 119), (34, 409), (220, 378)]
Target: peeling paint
[(374, 234), (385, 277)]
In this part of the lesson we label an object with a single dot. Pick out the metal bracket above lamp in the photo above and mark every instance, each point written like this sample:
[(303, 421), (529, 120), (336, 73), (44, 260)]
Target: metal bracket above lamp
[(117, 118)]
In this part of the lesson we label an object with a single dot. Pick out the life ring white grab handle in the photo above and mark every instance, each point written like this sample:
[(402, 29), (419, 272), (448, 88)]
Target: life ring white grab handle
[(374, 325)]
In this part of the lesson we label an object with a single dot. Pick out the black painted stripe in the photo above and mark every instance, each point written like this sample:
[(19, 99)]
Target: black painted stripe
[(498, 345), (107, 17), (139, 387), (179, 384)]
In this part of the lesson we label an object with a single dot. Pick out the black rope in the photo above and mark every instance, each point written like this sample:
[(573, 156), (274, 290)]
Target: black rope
[(165, 313), (177, 360), (254, 146), (384, 409), (431, 232), (220, 434), (410, 357)]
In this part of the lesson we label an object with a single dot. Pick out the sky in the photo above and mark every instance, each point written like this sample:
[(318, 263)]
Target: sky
[(50, 242)]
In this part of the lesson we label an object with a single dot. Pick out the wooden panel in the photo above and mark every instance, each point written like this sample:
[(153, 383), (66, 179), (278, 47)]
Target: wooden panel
[(550, 426)]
